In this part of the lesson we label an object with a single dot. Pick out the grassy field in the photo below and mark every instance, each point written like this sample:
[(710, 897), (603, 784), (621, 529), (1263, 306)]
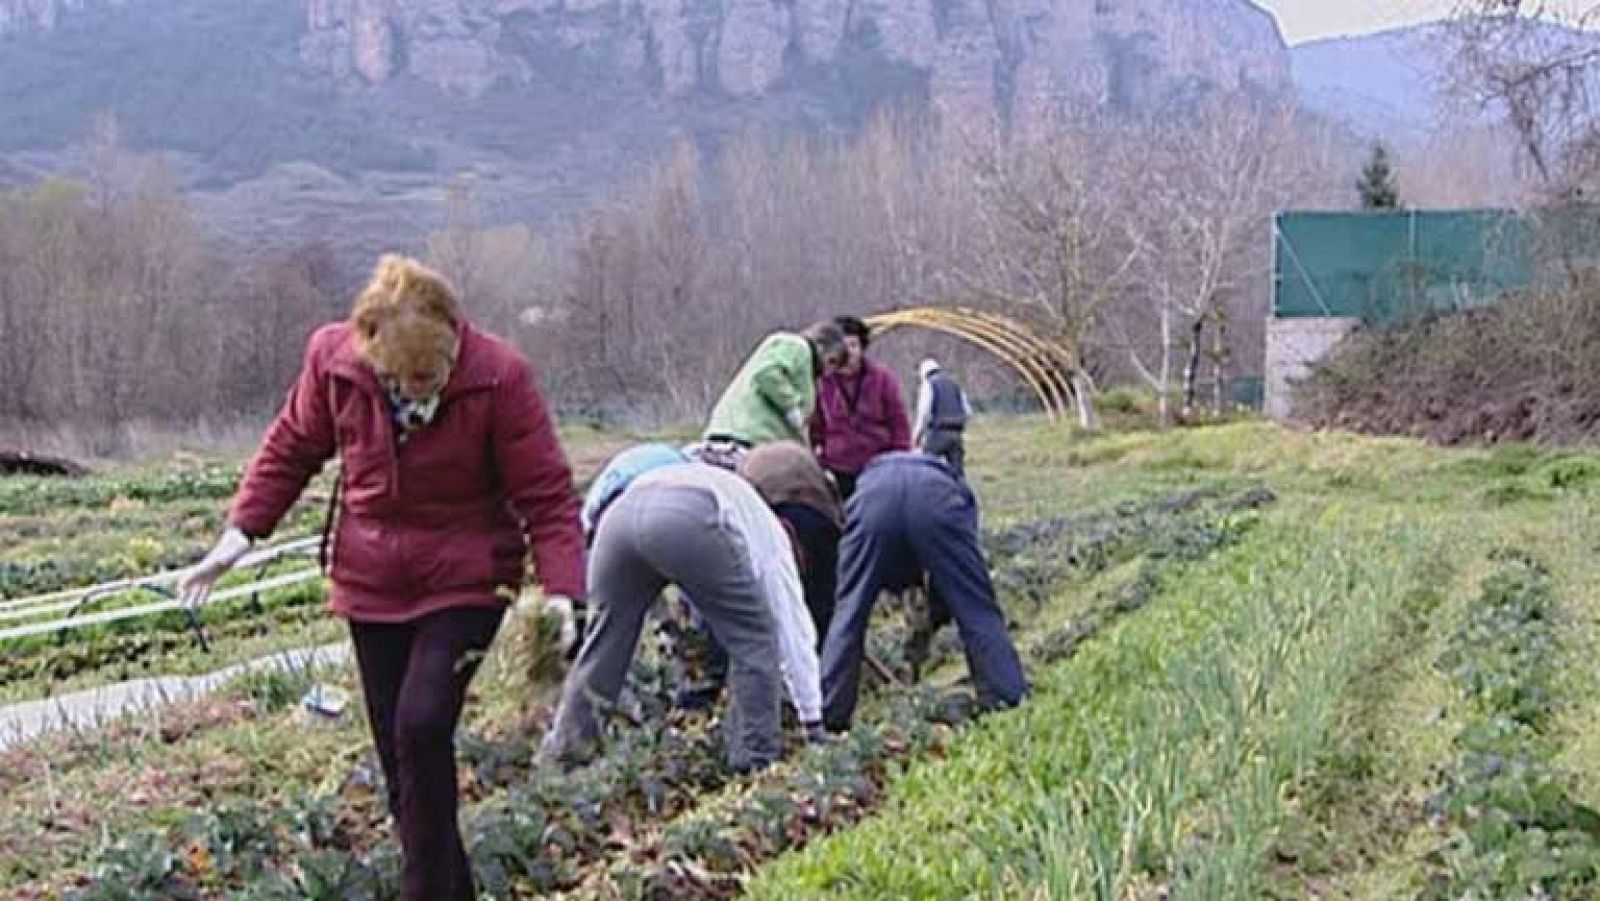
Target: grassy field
[(1266, 663), (1299, 716)]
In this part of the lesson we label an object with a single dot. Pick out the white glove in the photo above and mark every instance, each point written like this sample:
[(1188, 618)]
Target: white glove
[(797, 420), (196, 584), (572, 622)]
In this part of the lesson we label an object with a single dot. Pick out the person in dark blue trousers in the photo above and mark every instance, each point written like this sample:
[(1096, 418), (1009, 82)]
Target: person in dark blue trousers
[(912, 516)]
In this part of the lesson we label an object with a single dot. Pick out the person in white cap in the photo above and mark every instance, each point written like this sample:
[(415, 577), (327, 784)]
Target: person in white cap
[(942, 414)]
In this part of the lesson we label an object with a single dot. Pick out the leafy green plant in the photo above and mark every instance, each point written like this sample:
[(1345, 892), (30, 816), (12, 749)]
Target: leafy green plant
[(31, 495), (1512, 828)]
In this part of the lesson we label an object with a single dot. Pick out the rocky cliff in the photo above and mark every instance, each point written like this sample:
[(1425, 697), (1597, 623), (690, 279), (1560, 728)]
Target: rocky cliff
[(1012, 53), (341, 118)]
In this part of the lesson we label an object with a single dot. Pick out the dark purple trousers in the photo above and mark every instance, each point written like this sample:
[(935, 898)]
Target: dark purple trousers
[(414, 675)]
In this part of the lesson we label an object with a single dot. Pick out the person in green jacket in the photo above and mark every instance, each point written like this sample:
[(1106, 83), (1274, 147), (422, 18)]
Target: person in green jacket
[(775, 390)]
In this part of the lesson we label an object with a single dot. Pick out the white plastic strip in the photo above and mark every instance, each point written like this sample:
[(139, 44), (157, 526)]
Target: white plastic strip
[(111, 616), (94, 707), (254, 558)]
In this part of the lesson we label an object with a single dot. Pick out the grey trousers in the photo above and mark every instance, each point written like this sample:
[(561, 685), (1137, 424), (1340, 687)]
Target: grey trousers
[(655, 535)]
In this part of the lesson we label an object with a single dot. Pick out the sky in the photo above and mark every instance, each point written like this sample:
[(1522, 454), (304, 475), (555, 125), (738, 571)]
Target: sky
[(1307, 20)]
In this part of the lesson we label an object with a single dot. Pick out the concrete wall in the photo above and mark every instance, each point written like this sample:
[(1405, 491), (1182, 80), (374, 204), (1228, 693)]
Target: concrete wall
[(1292, 346)]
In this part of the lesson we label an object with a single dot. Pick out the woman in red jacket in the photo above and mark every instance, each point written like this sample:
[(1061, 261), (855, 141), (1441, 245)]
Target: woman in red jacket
[(450, 471), (860, 413)]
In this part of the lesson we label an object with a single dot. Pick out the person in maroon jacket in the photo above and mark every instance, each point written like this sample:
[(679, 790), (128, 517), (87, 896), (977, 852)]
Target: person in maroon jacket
[(450, 472), (860, 412)]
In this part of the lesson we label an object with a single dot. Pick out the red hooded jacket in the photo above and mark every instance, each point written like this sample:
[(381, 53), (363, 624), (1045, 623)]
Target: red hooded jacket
[(442, 520)]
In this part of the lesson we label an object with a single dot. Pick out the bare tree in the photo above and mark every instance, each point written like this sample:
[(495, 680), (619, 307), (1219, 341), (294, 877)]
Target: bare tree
[(1531, 62), (283, 299), (1204, 182), (458, 250), (108, 162), (1048, 245), (1133, 248), (37, 228), (1467, 166)]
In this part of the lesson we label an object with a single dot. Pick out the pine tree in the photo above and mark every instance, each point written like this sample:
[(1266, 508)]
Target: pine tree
[(1377, 185)]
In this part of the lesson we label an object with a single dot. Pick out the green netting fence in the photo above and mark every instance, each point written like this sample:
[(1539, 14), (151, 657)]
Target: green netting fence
[(1387, 266)]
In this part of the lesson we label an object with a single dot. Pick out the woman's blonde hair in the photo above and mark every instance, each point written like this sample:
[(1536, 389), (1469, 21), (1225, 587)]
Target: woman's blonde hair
[(406, 318)]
